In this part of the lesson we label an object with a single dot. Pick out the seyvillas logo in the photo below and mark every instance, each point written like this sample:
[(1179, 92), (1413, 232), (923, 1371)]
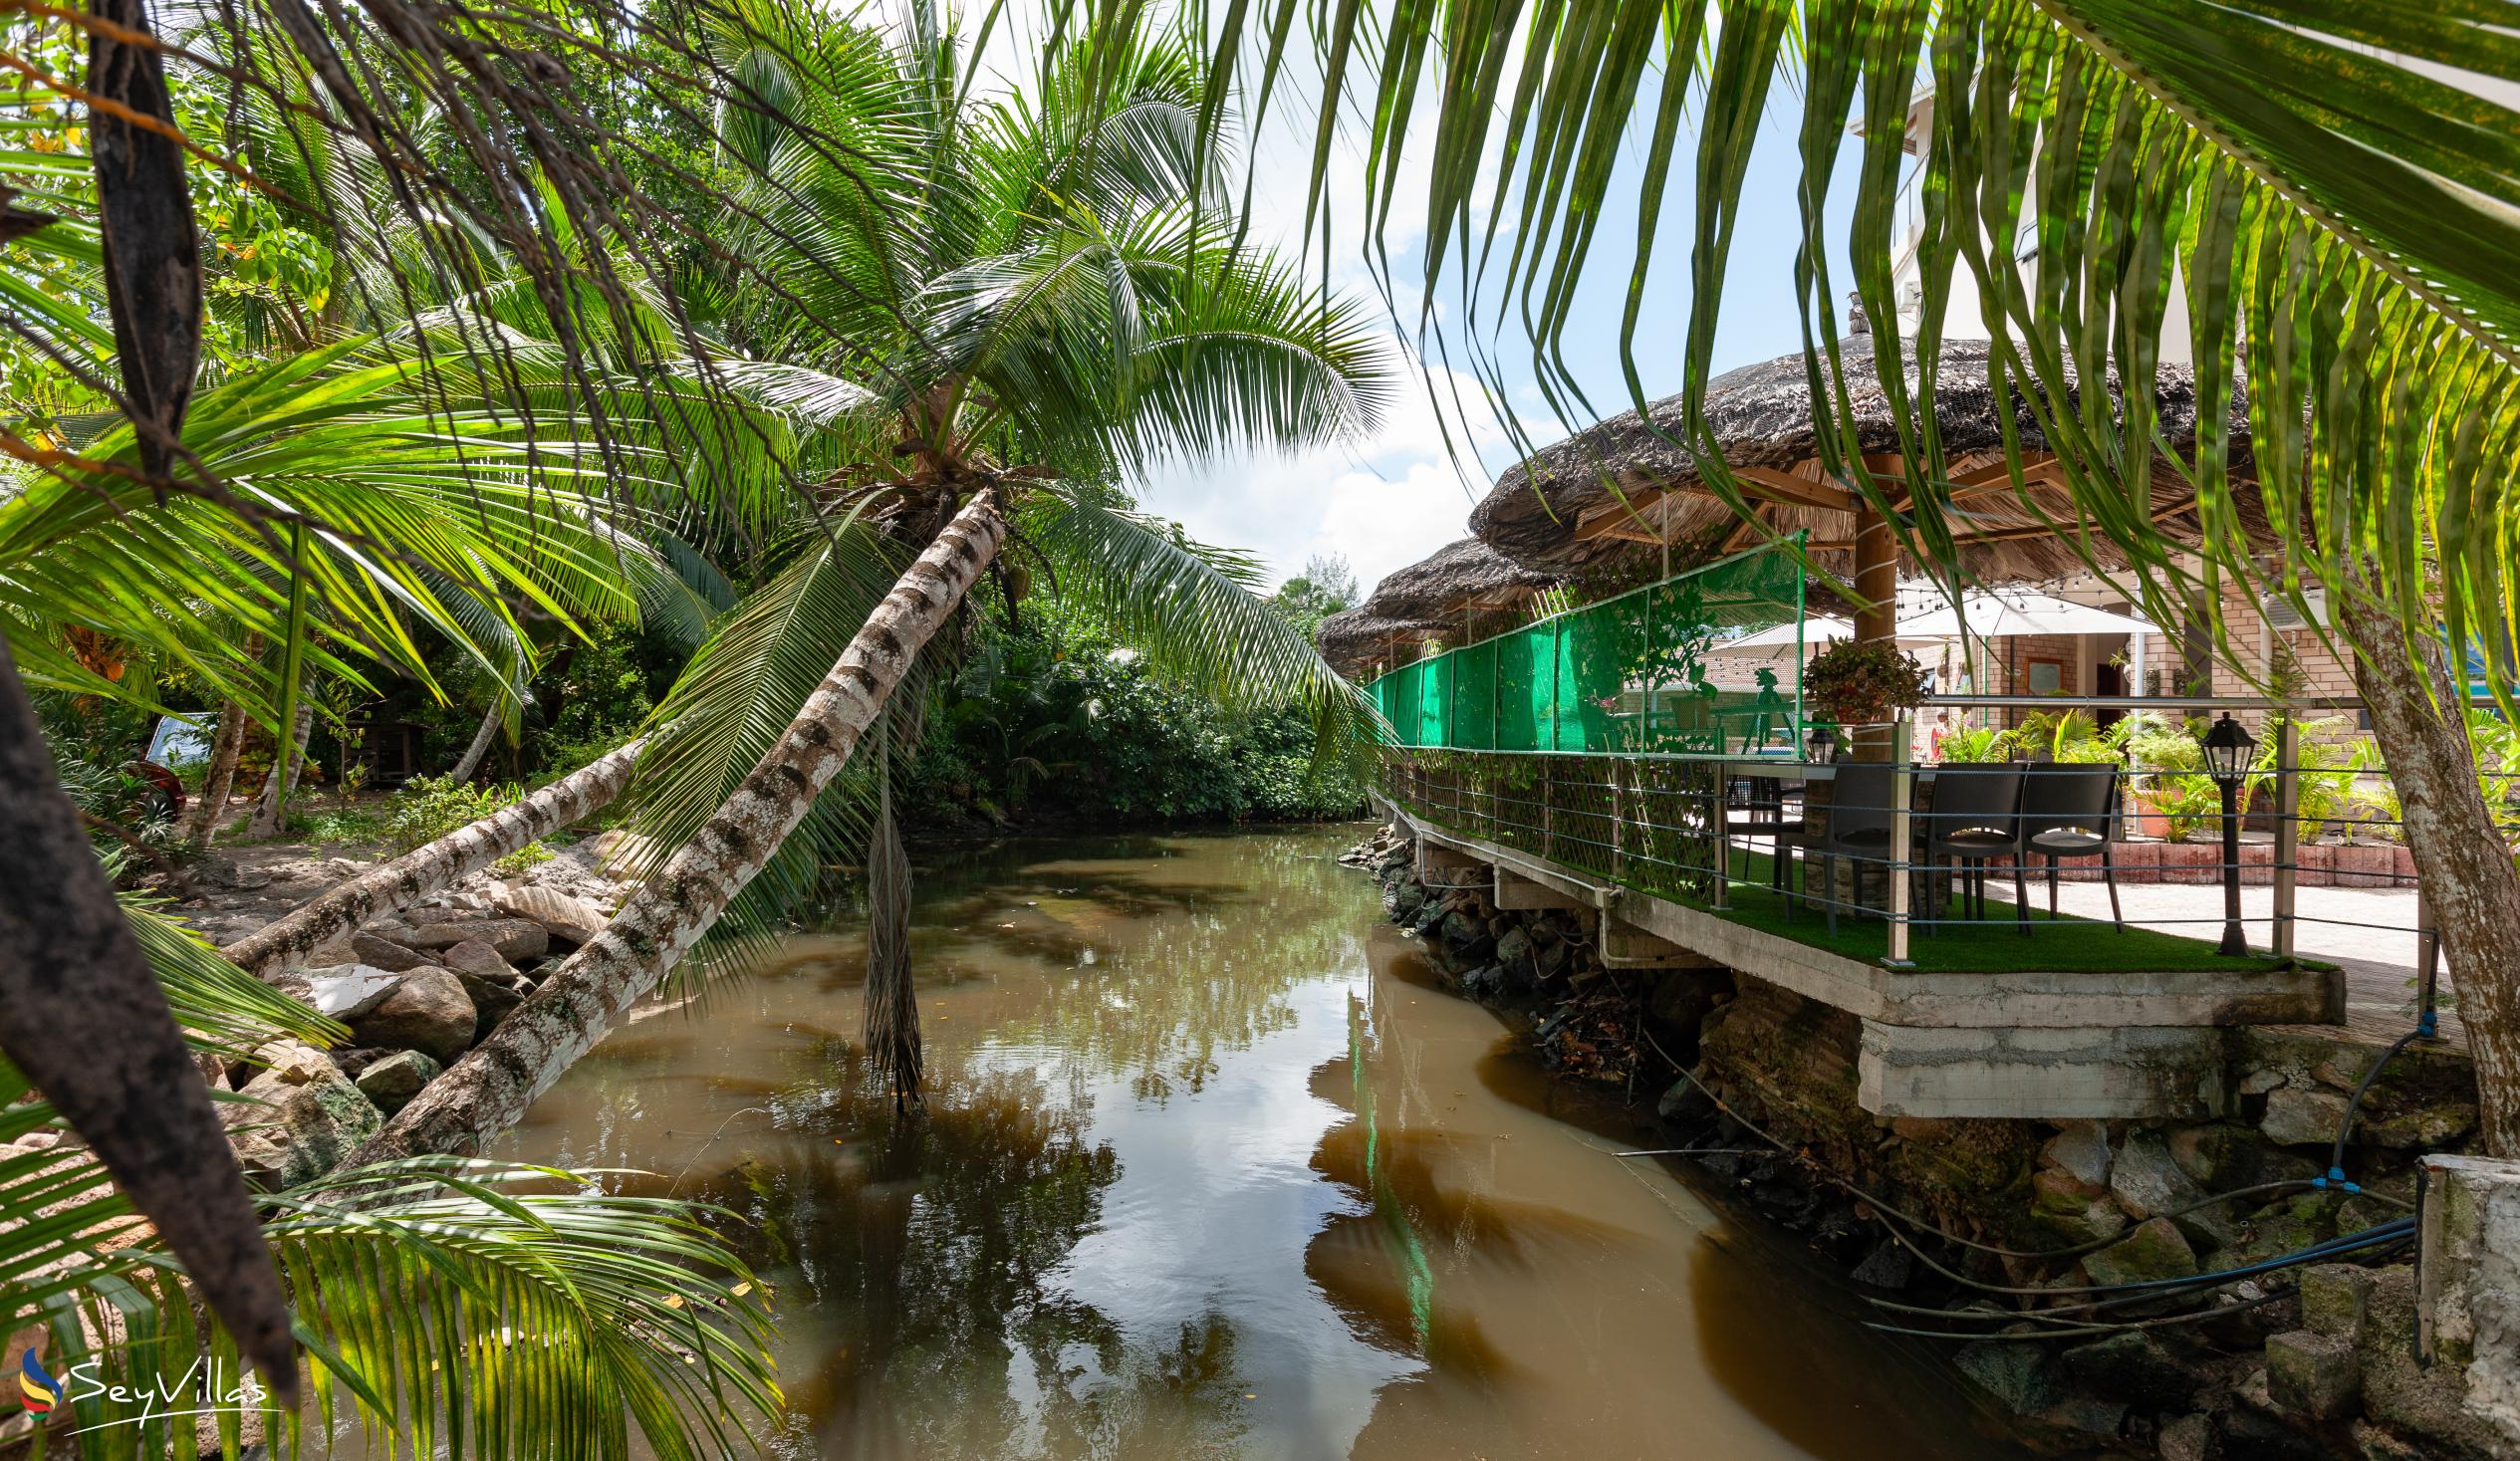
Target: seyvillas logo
[(36, 1384), (204, 1388)]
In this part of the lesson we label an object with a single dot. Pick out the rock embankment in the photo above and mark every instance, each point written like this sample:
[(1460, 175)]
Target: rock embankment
[(416, 990), (2014, 1238)]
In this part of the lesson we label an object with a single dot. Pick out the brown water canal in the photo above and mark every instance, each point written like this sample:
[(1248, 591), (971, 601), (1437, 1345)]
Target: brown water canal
[(1211, 1167)]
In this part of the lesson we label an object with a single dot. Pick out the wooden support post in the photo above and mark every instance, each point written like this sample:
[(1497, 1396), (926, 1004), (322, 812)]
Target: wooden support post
[(1902, 799), (2287, 830)]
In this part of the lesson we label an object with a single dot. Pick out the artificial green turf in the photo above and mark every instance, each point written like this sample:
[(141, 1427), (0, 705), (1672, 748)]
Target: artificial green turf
[(2064, 942)]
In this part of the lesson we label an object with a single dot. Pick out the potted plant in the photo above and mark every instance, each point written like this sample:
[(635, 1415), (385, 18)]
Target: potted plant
[(1859, 682)]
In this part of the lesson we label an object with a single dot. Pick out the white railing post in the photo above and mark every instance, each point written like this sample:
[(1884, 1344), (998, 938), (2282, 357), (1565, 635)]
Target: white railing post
[(1903, 800), (2287, 830)]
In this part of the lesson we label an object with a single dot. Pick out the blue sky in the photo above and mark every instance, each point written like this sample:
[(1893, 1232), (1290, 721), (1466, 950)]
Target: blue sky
[(1392, 499)]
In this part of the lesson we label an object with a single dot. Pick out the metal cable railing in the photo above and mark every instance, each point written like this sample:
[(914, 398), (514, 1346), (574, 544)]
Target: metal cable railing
[(2318, 844)]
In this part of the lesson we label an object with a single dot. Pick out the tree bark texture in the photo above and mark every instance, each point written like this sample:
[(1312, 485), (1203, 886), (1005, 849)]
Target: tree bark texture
[(82, 1016), (152, 257), (2469, 881), (424, 870), (287, 759), (490, 1089), (481, 744), (220, 780)]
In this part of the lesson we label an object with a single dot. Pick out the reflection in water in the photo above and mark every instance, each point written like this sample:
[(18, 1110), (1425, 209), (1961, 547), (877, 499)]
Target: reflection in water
[(1209, 1168)]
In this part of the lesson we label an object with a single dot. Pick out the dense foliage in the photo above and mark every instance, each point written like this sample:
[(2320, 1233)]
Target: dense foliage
[(1054, 720)]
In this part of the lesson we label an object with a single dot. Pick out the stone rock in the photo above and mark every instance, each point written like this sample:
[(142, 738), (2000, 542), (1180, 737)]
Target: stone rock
[(301, 1117), (292, 1061), (2289, 1226), (2423, 1129), (2314, 1374), (391, 1082), (2225, 1158), (2155, 1250), (1891, 1266), (2082, 1148), (492, 1000), (1514, 952), (514, 938), (2261, 1080), (2086, 1415), (353, 1060), (2251, 1437), (2148, 1183), (347, 991), (564, 917), (473, 957), (2015, 1373), (429, 1012), (2375, 1444), (1552, 959), (2297, 1117), (385, 953), (2334, 1299), (2074, 1211), (2136, 1367), (2190, 1438), (1467, 933), (1685, 1105), (1407, 899)]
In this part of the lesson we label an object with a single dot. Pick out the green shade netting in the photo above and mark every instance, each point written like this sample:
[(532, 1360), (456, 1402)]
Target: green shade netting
[(1646, 671)]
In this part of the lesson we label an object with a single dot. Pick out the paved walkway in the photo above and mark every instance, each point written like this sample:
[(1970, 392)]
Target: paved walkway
[(2369, 931)]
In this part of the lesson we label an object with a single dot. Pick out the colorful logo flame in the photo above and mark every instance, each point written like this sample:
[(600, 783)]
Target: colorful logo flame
[(36, 1383)]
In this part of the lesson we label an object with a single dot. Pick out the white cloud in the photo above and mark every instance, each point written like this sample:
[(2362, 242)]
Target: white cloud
[(1383, 503)]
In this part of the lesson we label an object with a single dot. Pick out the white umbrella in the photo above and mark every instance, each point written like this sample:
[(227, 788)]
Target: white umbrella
[(1811, 633), (2010, 613)]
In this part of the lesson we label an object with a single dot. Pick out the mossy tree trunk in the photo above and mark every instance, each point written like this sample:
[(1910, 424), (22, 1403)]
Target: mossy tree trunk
[(2466, 870)]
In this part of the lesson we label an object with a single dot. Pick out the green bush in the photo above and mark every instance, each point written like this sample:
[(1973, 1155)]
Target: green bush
[(429, 807), (1050, 720)]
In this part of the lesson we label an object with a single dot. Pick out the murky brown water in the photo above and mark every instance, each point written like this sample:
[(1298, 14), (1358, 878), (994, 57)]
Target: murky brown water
[(1211, 1169)]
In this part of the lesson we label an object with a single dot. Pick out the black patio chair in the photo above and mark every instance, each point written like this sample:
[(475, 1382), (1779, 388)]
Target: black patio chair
[(1976, 817), (2070, 811), (1859, 828), (1755, 807)]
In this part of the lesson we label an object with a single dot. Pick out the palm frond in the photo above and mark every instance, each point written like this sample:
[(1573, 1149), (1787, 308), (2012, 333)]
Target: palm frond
[(1194, 612)]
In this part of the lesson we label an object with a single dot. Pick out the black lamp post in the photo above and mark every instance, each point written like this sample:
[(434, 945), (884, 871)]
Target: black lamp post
[(2228, 748), (1820, 747)]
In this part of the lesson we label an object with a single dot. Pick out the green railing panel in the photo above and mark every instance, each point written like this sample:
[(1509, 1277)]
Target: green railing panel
[(1649, 670)]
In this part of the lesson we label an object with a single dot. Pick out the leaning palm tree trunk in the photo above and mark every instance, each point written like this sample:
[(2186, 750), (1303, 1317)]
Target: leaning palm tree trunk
[(489, 1090), (416, 874), (220, 780), (480, 743)]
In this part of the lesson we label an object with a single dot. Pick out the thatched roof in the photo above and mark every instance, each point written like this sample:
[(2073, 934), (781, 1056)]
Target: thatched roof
[(1553, 513), (1354, 639), (1460, 577)]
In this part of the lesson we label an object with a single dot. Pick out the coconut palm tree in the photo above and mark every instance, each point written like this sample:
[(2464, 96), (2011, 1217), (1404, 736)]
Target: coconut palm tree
[(989, 312), (2327, 190)]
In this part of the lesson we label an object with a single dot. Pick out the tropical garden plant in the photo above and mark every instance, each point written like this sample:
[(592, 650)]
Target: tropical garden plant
[(1863, 681)]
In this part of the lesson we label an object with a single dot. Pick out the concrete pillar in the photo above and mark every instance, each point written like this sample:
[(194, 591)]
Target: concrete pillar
[(2469, 1307)]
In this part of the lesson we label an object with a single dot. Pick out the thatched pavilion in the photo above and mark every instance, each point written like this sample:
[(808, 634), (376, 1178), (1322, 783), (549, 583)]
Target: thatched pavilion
[(1445, 595), (1556, 511)]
